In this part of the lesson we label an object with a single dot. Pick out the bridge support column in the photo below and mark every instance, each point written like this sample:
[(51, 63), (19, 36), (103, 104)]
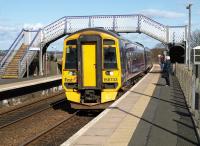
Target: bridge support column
[(41, 62)]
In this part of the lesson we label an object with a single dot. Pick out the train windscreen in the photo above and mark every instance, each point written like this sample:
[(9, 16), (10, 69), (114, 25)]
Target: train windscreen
[(110, 61), (71, 58)]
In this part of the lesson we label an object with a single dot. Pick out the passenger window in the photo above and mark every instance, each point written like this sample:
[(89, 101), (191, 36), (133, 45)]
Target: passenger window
[(71, 58), (110, 61)]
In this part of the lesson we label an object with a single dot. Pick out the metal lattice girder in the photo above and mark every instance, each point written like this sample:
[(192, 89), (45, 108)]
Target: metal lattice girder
[(118, 23), (177, 34), (153, 28), (54, 30), (30, 54), (24, 37)]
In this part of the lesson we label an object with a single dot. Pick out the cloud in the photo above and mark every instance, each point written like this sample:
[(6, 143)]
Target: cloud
[(4, 28), (33, 26), (8, 33), (162, 13)]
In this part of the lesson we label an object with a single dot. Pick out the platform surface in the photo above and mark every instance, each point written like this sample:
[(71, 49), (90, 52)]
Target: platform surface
[(10, 84), (149, 114)]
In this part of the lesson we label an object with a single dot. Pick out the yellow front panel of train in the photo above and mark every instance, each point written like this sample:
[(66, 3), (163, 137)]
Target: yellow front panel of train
[(89, 65)]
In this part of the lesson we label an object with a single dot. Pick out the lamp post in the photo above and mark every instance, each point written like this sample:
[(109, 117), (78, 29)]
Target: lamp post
[(189, 34)]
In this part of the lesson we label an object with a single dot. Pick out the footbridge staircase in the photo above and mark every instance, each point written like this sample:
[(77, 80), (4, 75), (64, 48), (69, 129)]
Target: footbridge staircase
[(28, 43)]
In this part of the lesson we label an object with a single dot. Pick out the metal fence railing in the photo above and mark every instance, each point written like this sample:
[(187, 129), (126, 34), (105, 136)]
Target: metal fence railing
[(190, 86), (119, 23), (29, 55)]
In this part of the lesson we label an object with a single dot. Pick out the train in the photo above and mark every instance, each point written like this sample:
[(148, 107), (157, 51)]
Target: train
[(97, 63)]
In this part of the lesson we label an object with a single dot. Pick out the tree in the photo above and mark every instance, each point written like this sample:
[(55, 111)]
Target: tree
[(157, 50), (195, 38), (52, 57), (160, 46)]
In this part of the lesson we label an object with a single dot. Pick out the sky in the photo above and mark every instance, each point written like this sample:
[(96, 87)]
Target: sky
[(18, 14)]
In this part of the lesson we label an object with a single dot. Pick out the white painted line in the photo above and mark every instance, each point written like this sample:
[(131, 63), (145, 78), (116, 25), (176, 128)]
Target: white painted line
[(73, 138), (16, 85)]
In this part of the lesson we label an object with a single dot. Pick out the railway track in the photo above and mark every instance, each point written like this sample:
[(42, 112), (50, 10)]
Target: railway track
[(16, 115), (31, 127), (31, 103), (56, 136), (48, 125), (62, 130), (34, 138)]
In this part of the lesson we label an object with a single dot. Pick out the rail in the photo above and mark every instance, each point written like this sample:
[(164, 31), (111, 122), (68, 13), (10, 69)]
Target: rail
[(20, 118), (34, 138), (135, 23), (120, 23)]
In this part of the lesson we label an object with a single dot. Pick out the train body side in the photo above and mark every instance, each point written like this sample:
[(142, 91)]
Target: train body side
[(132, 60)]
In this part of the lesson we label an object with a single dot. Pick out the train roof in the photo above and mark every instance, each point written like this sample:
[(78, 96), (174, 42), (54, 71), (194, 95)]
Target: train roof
[(113, 33), (100, 29)]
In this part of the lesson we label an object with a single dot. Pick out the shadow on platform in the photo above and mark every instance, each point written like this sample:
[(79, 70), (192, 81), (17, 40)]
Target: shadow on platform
[(166, 120)]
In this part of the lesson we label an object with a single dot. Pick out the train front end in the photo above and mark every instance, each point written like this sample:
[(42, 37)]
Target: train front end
[(91, 70)]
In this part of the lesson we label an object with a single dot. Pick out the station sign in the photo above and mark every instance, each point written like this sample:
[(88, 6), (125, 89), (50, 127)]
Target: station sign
[(196, 55)]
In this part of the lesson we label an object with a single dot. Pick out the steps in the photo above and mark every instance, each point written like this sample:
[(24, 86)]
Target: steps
[(12, 68)]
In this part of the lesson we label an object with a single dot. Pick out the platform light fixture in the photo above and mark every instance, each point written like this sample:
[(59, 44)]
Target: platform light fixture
[(189, 34)]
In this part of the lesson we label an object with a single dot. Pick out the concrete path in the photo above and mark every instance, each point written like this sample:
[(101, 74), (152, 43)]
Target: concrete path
[(149, 114), (166, 120)]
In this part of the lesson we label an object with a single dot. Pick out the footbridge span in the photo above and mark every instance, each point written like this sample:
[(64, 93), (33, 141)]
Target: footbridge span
[(24, 48)]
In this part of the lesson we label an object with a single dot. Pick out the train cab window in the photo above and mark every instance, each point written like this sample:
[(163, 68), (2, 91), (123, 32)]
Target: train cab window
[(71, 42), (71, 58), (108, 42), (110, 61)]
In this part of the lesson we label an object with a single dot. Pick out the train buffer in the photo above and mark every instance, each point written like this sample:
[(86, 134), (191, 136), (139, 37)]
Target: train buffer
[(150, 113)]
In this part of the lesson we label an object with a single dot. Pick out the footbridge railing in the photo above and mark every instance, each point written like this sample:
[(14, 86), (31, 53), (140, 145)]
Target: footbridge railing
[(12, 48), (29, 55), (118, 23)]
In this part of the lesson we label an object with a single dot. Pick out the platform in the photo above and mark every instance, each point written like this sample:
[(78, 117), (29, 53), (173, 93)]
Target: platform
[(149, 114), (6, 85)]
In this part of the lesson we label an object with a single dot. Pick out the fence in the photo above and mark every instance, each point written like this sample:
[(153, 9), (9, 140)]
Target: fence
[(191, 88)]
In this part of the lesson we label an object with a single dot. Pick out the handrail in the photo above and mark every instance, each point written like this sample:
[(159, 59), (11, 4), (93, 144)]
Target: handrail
[(142, 19), (53, 22), (30, 45), (9, 50), (153, 21), (60, 27), (103, 16), (100, 16), (22, 58)]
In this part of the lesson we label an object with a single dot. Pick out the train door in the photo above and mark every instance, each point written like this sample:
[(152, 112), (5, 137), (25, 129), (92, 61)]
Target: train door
[(89, 62)]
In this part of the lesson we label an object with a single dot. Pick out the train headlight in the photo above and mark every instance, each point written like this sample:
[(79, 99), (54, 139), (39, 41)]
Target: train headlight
[(72, 73), (110, 73)]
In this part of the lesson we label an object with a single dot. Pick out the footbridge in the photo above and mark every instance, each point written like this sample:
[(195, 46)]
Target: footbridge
[(25, 47)]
